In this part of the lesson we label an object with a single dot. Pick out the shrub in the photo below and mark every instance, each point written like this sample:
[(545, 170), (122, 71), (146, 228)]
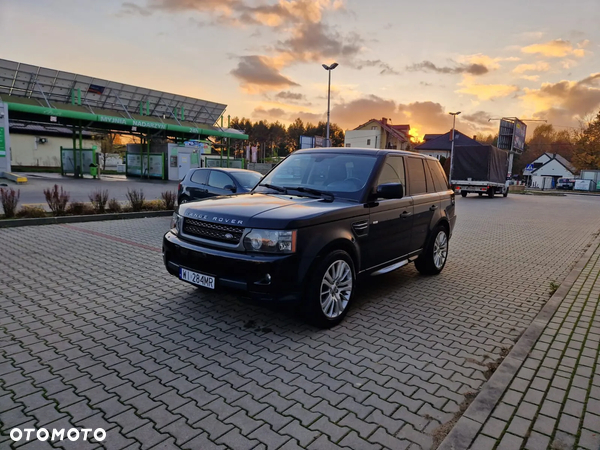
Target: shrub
[(154, 205), (169, 198), (114, 206), (99, 199), (31, 212), (10, 199), (80, 208), (136, 199), (57, 200)]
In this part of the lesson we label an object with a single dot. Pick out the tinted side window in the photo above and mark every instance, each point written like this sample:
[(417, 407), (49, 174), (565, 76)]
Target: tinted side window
[(392, 171), (431, 188), (416, 174), (219, 179), (200, 176), (439, 177)]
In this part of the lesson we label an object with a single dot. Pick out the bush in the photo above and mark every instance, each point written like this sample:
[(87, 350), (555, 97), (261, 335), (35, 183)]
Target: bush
[(154, 205), (169, 198), (31, 212), (57, 201), (136, 199), (80, 208), (114, 206), (10, 199), (99, 199)]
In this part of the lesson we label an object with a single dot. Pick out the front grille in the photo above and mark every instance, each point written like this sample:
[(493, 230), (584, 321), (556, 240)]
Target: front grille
[(213, 231)]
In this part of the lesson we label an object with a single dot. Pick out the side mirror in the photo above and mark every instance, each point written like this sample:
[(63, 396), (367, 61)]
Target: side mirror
[(230, 187), (390, 190)]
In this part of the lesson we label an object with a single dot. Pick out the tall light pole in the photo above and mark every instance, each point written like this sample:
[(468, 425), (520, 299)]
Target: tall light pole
[(329, 69), (453, 114)]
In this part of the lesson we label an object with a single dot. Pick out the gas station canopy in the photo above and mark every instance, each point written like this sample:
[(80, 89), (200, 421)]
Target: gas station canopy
[(33, 92)]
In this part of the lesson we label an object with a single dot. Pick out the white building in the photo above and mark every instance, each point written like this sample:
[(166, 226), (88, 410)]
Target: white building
[(544, 172), (378, 134)]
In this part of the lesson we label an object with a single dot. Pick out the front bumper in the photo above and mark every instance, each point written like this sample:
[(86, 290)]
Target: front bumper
[(263, 277)]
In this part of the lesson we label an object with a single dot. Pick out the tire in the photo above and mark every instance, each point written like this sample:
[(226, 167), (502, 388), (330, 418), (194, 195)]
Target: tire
[(463, 194), (330, 290), (480, 194), (183, 199), (505, 194), (435, 254), (491, 193)]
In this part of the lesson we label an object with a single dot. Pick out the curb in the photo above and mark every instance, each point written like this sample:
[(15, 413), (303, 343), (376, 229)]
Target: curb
[(472, 421), (9, 223)]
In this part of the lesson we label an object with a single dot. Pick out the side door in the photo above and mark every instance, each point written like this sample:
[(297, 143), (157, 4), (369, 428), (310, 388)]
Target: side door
[(197, 188), (390, 219), (426, 200), (219, 183)]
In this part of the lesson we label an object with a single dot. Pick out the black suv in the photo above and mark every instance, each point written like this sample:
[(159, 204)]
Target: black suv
[(316, 222)]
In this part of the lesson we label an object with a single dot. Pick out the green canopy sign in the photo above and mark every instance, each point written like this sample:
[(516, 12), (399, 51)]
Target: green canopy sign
[(2, 142)]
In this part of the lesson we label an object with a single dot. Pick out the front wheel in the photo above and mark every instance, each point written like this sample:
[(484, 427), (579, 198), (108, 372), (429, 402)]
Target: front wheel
[(505, 194), (330, 290), (434, 256)]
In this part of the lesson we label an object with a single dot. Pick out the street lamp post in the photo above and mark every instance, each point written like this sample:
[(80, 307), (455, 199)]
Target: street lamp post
[(453, 114), (329, 69)]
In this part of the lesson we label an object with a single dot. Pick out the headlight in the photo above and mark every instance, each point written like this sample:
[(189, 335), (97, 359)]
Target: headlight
[(176, 220), (271, 241)]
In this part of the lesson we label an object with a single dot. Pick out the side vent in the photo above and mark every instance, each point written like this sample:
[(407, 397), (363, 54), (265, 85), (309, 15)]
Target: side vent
[(361, 228)]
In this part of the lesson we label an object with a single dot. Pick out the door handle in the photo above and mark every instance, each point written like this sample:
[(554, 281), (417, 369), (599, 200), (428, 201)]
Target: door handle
[(405, 214), (433, 208)]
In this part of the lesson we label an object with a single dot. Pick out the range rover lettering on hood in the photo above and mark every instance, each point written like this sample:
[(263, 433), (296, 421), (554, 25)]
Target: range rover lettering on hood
[(199, 216)]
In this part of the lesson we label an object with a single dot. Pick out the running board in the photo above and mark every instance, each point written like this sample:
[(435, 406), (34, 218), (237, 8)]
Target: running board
[(390, 268)]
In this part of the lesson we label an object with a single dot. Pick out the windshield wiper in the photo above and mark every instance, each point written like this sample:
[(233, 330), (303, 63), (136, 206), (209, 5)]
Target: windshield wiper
[(323, 194), (275, 188)]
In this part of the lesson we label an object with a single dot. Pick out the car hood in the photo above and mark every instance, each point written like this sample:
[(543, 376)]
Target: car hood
[(279, 211)]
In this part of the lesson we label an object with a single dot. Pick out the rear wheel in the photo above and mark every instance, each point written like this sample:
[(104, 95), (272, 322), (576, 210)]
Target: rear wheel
[(480, 194), (491, 193), (434, 256), (463, 194), (330, 290)]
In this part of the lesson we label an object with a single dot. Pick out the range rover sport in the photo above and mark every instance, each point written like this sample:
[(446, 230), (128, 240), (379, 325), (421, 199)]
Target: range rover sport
[(316, 223)]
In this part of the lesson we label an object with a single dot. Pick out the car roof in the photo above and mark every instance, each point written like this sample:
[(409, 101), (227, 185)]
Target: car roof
[(363, 151)]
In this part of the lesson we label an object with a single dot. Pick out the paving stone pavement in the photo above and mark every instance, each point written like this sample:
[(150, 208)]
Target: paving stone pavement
[(95, 334), (553, 400)]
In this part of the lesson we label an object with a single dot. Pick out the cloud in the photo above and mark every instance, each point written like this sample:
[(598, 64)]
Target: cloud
[(352, 114), (485, 60), (317, 42), (256, 74), (567, 99), (386, 69), (530, 77), (129, 8), (557, 48), (479, 117), (428, 66), (286, 95), (486, 91), (540, 66), (270, 114)]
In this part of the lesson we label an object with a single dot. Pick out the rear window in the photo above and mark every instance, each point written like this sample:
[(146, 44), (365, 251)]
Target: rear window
[(439, 177), (247, 179), (200, 176)]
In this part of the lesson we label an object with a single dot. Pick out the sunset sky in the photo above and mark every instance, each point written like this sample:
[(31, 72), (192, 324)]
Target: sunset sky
[(411, 61)]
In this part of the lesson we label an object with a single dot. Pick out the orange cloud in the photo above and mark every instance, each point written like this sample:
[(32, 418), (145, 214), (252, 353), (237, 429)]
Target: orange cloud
[(537, 67), (557, 48), (486, 91)]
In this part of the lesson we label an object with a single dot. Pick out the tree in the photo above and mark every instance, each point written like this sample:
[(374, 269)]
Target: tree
[(108, 144), (587, 149), (277, 138), (294, 131)]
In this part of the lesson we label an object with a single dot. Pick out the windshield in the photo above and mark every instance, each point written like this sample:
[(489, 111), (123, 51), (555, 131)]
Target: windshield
[(344, 175), (247, 179)]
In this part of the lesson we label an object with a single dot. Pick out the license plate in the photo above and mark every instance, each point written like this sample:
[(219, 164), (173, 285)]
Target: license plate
[(199, 279)]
